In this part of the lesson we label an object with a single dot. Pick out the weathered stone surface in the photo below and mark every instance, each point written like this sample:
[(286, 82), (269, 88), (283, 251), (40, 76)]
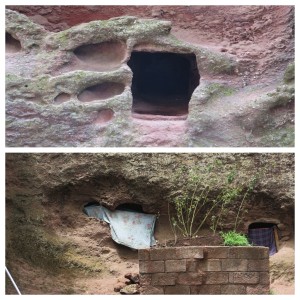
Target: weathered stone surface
[(47, 66), (144, 254), (163, 279), (145, 279), (177, 290), (264, 278), (248, 253), (244, 277), (190, 252), (175, 265), (206, 289), (152, 290), (190, 278), (133, 278), (235, 265), (195, 265), (233, 289), (216, 278), (130, 289), (258, 290), (216, 252), (258, 265), (214, 265), (163, 254), (151, 266)]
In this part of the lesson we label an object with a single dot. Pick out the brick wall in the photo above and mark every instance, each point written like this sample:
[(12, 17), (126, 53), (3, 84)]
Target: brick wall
[(204, 270)]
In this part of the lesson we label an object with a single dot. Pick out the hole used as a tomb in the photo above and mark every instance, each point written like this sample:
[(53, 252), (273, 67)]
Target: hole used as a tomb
[(130, 207), (104, 116), (61, 98), (163, 82), (12, 45), (264, 234), (101, 91), (100, 57), (92, 203)]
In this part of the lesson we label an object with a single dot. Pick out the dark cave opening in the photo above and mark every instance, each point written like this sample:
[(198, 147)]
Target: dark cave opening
[(264, 234), (163, 82), (130, 207), (261, 225), (12, 45)]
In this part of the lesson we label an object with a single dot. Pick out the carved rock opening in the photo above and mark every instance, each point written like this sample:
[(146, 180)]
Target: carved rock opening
[(100, 57), (101, 91), (163, 82), (130, 207), (12, 45), (264, 234)]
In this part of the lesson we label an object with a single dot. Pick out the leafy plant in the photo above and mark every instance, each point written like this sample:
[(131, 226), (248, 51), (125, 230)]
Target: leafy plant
[(232, 238), (196, 203)]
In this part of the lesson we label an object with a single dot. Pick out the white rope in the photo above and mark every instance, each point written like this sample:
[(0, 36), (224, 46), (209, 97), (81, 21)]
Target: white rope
[(12, 280)]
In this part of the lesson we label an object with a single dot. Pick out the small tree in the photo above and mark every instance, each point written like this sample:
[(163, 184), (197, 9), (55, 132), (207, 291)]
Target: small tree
[(195, 204)]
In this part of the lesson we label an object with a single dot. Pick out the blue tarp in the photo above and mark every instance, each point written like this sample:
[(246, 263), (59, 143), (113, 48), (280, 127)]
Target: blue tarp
[(128, 228)]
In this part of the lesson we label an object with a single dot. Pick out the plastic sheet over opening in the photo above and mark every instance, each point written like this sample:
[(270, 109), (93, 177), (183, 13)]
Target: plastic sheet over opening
[(128, 228)]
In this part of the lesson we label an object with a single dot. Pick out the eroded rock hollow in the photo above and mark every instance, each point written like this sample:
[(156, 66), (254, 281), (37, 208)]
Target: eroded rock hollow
[(66, 66)]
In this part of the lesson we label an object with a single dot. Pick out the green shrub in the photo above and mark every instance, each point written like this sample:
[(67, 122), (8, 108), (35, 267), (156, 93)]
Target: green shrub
[(232, 238)]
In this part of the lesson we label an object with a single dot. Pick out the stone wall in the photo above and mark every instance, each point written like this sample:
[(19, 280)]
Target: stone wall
[(204, 270)]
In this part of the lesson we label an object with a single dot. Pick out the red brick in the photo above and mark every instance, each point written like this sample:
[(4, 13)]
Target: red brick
[(264, 278), (214, 265), (258, 265), (216, 252), (152, 290), (233, 289), (175, 265), (195, 252), (234, 264), (249, 252), (216, 278), (190, 278), (258, 290), (163, 254), (151, 266), (206, 289), (143, 254), (177, 290), (164, 279), (244, 277)]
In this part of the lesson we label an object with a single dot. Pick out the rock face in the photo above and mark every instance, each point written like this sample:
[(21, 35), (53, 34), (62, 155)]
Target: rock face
[(47, 230), (129, 82)]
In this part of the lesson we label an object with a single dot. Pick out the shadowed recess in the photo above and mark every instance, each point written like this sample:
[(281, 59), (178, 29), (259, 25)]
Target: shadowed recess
[(101, 91), (12, 45), (61, 98), (163, 82), (100, 57), (104, 116)]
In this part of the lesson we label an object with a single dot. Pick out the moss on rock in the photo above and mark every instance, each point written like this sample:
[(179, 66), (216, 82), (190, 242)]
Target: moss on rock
[(289, 74)]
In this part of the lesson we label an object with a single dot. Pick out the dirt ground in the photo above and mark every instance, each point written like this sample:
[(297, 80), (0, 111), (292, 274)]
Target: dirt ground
[(282, 268)]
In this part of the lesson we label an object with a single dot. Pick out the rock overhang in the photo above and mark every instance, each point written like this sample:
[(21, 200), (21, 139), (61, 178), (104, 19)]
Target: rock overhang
[(93, 54)]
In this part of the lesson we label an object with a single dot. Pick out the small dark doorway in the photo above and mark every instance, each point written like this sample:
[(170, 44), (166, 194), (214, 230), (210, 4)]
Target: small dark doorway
[(163, 82), (130, 207), (264, 234)]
